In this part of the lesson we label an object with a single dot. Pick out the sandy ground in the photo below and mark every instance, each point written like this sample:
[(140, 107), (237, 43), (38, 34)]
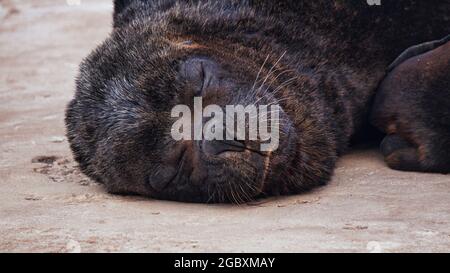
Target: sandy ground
[(46, 205)]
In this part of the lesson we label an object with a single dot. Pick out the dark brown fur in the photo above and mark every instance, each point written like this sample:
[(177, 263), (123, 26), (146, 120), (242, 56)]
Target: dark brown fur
[(322, 61), (413, 107)]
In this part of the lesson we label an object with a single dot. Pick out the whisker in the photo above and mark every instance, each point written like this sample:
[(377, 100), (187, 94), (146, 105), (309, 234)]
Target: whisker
[(268, 87), (271, 70), (259, 72)]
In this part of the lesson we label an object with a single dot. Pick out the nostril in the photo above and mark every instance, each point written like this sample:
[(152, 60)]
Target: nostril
[(235, 143), (162, 177), (216, 147)]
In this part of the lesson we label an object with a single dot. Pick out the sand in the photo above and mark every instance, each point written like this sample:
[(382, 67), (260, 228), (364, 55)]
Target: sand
[(47, 205)]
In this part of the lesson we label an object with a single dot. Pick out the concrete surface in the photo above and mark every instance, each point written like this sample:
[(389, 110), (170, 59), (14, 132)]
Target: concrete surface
[(51, 207)]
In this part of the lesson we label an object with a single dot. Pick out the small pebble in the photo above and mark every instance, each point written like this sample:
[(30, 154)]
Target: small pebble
[(44, 159), (57, 139), (73, 246)]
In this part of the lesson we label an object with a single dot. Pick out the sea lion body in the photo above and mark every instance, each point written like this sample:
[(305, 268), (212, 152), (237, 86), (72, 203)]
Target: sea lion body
[(320, 61)]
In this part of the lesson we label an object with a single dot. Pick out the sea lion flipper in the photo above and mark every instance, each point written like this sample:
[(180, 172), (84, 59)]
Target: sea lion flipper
[(412, 107), (417, 50)]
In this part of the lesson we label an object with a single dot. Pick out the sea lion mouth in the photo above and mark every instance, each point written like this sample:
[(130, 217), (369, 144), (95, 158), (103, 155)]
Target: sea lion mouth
[(219, 147), (232, 146)]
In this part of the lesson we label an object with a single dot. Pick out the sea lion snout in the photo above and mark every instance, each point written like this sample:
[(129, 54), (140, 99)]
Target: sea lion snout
[(193, 170)]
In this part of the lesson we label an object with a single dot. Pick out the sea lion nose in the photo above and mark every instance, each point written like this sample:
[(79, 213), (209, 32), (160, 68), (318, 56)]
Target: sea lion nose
[(215, 147)]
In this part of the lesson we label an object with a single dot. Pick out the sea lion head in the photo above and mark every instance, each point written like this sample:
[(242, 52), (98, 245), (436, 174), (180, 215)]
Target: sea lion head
[(120, 122)]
